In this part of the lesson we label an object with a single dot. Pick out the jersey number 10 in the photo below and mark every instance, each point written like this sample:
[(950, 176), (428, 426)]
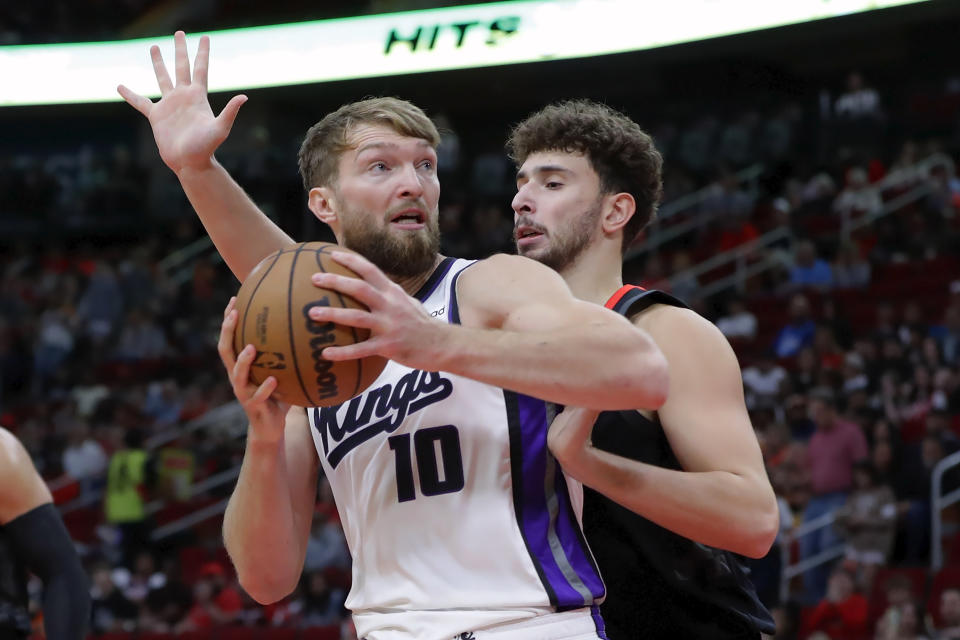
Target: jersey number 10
[(426, 443)]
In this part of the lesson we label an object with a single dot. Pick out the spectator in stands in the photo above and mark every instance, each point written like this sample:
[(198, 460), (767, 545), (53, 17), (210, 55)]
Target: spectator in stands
[(110, 609), (738, 323), (226, 595), (851, 270), (54, 343), (682, 284), (842, 613), (166, 605), (204, 614), (858, 197), (948, 335), (868, 522), (326, 546), (949, 628), (141, 338), (136, 584), (914, 496), (829, 354), (765, 383), (83, 458), (101, 305), (130, 475), (319, 604), (901, 622), (834, 448), (798, 332), (809, 270)]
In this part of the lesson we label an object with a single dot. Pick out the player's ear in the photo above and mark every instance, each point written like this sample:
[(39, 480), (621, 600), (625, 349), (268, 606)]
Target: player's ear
[(322, 201), (618, 210)]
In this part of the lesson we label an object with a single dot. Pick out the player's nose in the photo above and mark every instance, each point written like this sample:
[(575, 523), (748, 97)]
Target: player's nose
[(522, 203), (409, 183)]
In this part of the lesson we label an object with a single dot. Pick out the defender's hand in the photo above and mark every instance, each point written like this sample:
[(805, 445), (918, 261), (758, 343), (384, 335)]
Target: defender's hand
[(569, 437), (184, 127), (267, 415), (400, 328)]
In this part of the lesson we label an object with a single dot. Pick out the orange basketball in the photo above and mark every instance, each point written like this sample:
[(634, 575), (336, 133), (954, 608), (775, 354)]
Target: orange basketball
[(273, 305)]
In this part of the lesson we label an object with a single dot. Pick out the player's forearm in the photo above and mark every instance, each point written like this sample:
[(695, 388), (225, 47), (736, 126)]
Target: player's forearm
[(605, 366), (259, 529), (242, 233), (66, 604), (717, 508)]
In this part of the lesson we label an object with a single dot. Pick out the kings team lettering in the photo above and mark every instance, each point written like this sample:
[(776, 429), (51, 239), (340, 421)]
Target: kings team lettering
[(382, 410)]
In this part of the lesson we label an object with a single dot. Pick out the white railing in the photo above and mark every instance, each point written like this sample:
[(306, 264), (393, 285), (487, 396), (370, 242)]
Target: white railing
[(751, 259), (791, 571), (938, 503), (228, 415), (658, 235)]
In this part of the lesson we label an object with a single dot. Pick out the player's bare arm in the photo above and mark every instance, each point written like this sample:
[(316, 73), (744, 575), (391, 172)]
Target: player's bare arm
[(187, 134), (521, 329), (723, 497), (267, 522), (22, 488)]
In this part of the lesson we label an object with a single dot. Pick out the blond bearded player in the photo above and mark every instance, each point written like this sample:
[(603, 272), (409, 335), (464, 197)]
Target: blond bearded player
[(459, 521)]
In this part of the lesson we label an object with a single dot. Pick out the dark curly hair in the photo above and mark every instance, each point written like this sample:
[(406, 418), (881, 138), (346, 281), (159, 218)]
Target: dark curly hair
[(621, 153)]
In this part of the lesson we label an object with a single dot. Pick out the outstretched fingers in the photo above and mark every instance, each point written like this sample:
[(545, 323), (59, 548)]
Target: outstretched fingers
[(135, 100), (229, 113), (181, 61), (160, 70), (202, 62)]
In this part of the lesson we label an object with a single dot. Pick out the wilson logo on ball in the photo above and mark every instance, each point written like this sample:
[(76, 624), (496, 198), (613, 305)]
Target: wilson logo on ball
[(323, 336)]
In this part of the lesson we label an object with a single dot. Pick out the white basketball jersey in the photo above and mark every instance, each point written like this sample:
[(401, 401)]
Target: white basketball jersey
[(456, 515)]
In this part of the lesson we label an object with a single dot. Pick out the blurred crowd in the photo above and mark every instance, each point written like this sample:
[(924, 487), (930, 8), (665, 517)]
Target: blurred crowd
[(849, 343)]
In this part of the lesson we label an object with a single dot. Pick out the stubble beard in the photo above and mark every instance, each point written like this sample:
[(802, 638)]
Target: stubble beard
[(566, 246), (398, 253)]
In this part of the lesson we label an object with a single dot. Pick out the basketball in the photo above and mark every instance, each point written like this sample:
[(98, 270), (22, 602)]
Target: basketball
[(273, 306)]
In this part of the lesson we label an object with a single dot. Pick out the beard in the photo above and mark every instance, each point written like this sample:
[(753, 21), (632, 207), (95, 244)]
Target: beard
[(564, 246), (402, 254)]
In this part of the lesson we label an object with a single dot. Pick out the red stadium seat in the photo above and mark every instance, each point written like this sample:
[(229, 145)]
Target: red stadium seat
[(241, 633), (944, 579), (321, 633)]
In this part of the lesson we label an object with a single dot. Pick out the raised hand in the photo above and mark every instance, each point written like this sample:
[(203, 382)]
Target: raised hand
[(184, 126), (400, 328), (267, 415)]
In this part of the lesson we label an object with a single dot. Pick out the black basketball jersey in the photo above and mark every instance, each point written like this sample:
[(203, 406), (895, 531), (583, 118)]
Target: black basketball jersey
[(660, 584), (14, 620)]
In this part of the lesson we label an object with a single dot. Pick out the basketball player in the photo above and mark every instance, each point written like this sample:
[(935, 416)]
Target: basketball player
[(33, 538), (668, 490), (458, 520)]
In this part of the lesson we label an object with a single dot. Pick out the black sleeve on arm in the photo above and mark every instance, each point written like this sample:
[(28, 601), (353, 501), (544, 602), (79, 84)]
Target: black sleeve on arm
[(41, 539)]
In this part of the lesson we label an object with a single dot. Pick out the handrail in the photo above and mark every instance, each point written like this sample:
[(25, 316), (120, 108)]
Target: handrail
[(938, 503), (657, 235), (223, 414), (189, 520), (742, 252), (184, 254), (198, 488), (790, 571)]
